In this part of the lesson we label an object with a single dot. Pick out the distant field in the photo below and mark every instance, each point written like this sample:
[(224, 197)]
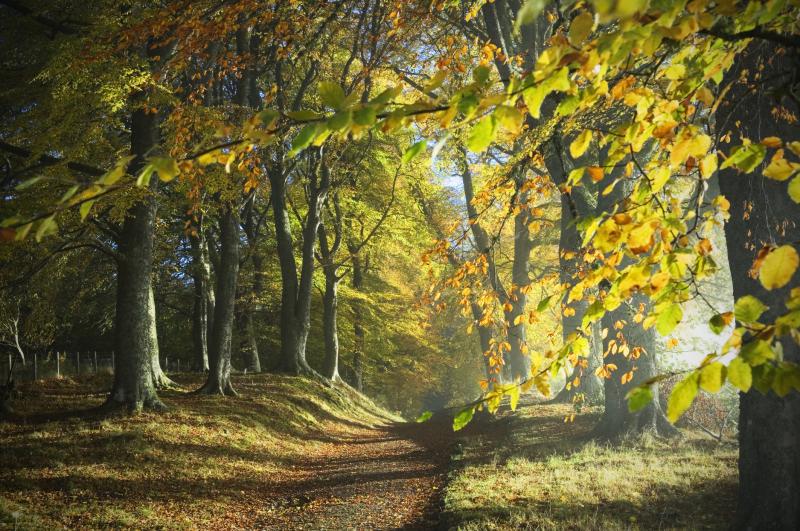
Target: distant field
[(530, 470)]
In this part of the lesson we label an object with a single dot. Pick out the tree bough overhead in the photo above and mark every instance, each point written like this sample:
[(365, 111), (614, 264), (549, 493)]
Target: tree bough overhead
[(580, 145)]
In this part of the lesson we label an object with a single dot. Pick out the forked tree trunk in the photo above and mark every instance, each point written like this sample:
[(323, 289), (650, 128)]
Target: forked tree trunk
[(135, 339), (761, 212), (219, 352), (296, 290)]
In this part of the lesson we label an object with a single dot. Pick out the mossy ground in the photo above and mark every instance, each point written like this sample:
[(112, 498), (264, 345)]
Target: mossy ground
[(208, 461), (531, 470)]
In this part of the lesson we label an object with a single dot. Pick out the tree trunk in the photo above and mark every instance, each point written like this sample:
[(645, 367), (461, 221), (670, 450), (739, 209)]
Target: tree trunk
[(330, 303), (160, 379), (569, 246), (219, 351), (761, 212), (135, 339), (203, 300), (358, 325), (296, 291), (617, 421)]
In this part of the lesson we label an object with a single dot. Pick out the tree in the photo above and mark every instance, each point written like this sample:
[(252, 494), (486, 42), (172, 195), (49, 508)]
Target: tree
[(762, 214)]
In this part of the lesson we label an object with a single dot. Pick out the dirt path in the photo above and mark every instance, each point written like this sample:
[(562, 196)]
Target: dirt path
[(385, 478)]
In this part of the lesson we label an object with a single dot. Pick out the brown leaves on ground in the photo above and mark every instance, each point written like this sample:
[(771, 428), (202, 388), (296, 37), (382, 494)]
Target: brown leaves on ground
[(287, 454)]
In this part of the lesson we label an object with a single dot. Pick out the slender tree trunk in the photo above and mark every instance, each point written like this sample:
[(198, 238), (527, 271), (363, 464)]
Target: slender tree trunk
[(761, 212), (219, 352), (201, 275), (135, 339), (160, 379), (358, 325), (330, 303)]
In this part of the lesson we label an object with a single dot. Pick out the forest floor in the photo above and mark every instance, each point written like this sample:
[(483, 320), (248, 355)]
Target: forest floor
[(287, 454), (533, 470)]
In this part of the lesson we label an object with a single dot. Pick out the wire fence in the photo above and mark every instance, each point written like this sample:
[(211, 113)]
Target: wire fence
[(58, 364)]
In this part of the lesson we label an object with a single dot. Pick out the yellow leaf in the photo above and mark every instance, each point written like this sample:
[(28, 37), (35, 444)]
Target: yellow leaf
[(708, 165), (712, 376), (771, 142), (579, 146), (682, 397), (581, 27), (794, 189), (780, 169), (659, 177), (778, 267)]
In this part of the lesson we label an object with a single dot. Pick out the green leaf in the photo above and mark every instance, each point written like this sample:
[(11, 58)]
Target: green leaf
[(463, 418), (143, 180), (718, 323), (304, 138), (682, 397), (748, 309), (739, 374), (482, 134), (568, 105), (712, 376), (85, 208), (510, 118), (304, 115), (28, 183), (528, 12), (481, 74), (668, 319), (46, 227), (543, 304), (424, 416), (331, 94), (595, 311), (746, 157), (365, 116), (340, 120), (757, 352), (762, 377), (413, 151), (268, 117), (639, 397), (534, 96)]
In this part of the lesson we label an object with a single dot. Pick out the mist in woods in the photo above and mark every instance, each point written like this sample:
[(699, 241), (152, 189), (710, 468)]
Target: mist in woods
[(370, 264)]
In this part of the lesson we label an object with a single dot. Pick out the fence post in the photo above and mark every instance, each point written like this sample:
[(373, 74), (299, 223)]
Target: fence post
[(58, 364), (95, 362), (35, 366), (78, 362), (166, 363), (9, 367), (113, 364), (179, 365)]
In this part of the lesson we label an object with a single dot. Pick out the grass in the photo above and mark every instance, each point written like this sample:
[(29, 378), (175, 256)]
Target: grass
[(533, 471), (209, 461)]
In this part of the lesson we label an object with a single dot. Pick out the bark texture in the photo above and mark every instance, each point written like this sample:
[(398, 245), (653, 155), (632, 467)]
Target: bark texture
[(219, 351), (203, 304), (762, 213)]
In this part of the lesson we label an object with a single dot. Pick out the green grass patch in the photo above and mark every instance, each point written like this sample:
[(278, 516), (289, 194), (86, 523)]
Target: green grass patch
[(536, 472)]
